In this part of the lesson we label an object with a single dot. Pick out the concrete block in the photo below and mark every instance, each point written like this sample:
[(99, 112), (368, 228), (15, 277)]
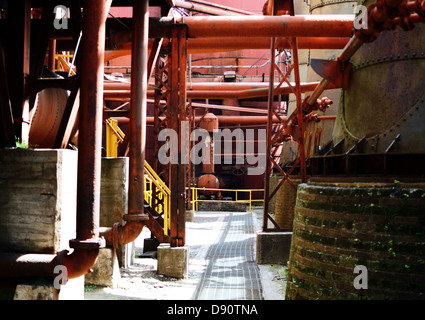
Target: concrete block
[(273, 247), (222, 206), (114, 201), (45, 290), (189, 215), (105, 269), (173, 261), (37, 199)]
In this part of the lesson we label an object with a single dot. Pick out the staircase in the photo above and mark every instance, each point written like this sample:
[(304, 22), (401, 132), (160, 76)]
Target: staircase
[(157, 204), (156, 194)]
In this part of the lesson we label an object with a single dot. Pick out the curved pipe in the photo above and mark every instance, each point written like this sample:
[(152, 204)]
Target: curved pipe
[(87, 244), (18, 265), (121, 234)]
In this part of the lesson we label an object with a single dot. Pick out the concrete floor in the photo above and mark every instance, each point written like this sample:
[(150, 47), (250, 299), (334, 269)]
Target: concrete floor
[(221, 265)]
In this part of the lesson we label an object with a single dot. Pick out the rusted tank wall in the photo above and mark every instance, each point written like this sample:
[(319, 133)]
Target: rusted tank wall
[(386, 94)]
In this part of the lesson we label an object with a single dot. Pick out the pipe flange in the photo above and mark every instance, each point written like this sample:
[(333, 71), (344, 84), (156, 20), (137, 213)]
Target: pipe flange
[(136, 217), (89, 244)]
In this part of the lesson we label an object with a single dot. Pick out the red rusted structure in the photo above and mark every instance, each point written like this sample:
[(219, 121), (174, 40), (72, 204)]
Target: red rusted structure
[(23, 53)]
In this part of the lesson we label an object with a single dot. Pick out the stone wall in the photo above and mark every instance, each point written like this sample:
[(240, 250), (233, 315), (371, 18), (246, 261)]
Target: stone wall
[(340, 226)]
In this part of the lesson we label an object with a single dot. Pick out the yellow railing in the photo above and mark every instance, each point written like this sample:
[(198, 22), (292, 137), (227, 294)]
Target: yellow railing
[(63, 65), (113, 136), (161, 197), (160, 201), (195, 196)]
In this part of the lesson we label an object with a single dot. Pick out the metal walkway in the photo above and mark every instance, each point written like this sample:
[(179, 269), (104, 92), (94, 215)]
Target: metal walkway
[(232, 273)]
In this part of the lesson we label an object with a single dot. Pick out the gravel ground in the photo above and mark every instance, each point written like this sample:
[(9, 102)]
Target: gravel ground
[(141, 281)]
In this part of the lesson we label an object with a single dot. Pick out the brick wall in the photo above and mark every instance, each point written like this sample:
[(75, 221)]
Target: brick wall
[(339, 226)]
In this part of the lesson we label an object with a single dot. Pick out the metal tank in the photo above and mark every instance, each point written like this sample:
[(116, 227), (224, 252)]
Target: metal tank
[(379, 129), (363, 204), (319, 134)]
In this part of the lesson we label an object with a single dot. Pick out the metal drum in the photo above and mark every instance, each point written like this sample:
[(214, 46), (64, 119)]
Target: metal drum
[(46, 117), (384, 103)]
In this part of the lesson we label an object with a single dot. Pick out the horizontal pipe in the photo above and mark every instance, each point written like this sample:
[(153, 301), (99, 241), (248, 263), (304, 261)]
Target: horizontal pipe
[(227, 120), (124, 94), (268, 26), (122, 43), (20, 265)]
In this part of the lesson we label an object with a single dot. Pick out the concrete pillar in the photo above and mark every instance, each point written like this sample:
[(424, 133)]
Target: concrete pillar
[(173, 261)]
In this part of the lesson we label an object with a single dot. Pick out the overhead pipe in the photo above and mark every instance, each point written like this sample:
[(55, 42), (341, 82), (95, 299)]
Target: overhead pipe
[(214, 93), (87, 243), (227, 120), (268, 26), (135, 218), (208, 45)]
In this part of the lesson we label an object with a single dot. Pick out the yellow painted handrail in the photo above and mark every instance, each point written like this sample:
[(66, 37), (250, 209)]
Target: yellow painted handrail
[(195, 200), (162, 193)]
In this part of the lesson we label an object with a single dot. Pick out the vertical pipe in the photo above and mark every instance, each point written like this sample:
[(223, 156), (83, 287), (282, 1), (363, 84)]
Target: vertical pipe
[(91, 105), (52, 53), (299, 108), (269, 137), (138, 105)]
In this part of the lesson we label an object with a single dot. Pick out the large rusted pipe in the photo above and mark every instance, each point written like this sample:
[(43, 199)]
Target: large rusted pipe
[(268, 26), (230, 44), (138, 106), (87, 243), (123, 234), (90, 114), (214, 93), (230, 120)]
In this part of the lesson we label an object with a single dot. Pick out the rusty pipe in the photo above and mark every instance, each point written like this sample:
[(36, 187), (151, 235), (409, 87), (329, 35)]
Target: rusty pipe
[(123, 234), (86, 245), (138, 107), (124, 95), (230, 44), (229, 120), (91, 108), (268, 26)]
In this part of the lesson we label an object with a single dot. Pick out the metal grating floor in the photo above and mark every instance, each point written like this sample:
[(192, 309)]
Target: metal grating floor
[(232, 273)]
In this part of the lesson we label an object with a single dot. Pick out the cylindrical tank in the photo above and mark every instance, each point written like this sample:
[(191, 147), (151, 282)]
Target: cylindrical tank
[(319, 134), (210, 124), (386, 95), (46, 117), (342, 223), (208, 178), (376, 227)]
